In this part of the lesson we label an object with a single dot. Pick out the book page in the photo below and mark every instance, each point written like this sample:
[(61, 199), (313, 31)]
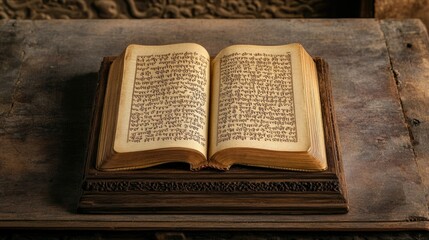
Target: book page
[(164, 98), (258, 99)]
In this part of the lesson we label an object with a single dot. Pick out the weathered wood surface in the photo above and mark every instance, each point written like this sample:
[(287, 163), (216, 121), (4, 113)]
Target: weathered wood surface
[(408, 47), (48, 75), (212, 235)]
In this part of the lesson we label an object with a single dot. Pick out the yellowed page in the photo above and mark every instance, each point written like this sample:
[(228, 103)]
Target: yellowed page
[(164, 98), (314, 107), (258, 99)]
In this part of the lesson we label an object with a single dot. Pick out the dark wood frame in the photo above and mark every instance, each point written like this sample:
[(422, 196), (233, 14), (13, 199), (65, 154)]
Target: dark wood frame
[(174, 189)]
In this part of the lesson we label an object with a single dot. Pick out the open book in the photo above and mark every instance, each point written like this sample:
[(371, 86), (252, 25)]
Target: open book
[(250, 105)]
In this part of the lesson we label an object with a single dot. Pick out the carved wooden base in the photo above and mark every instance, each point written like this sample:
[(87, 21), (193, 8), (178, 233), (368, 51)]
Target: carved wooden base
[(172, 188)]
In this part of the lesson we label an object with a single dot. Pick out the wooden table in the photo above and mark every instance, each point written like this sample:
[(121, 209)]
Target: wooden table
[(380, 77)]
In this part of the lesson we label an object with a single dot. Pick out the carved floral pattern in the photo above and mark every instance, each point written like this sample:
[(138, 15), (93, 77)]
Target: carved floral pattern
[(221, 186), (74, 9)]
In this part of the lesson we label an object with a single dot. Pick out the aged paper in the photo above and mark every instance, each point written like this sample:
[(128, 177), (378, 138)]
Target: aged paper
[(164, 98), (258, 99)]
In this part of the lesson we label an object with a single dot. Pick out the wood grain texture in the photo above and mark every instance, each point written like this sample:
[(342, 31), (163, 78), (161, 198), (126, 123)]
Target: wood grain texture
[(212, 235), (49, 82), (408, 47)]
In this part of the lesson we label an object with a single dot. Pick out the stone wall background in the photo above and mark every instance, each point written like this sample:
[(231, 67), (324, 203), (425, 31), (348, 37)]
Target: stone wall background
[(78, 9), (403, 9), (113, 9)]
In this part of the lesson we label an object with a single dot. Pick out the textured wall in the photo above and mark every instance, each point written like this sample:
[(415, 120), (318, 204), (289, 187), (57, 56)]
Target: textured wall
[(403, 9), (53, 9)]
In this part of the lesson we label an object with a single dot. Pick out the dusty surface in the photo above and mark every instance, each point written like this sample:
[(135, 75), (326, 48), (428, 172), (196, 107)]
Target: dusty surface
[(408, 47)]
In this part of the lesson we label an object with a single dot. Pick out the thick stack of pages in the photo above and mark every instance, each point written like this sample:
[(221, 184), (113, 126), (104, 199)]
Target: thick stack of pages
[(265, 110)]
